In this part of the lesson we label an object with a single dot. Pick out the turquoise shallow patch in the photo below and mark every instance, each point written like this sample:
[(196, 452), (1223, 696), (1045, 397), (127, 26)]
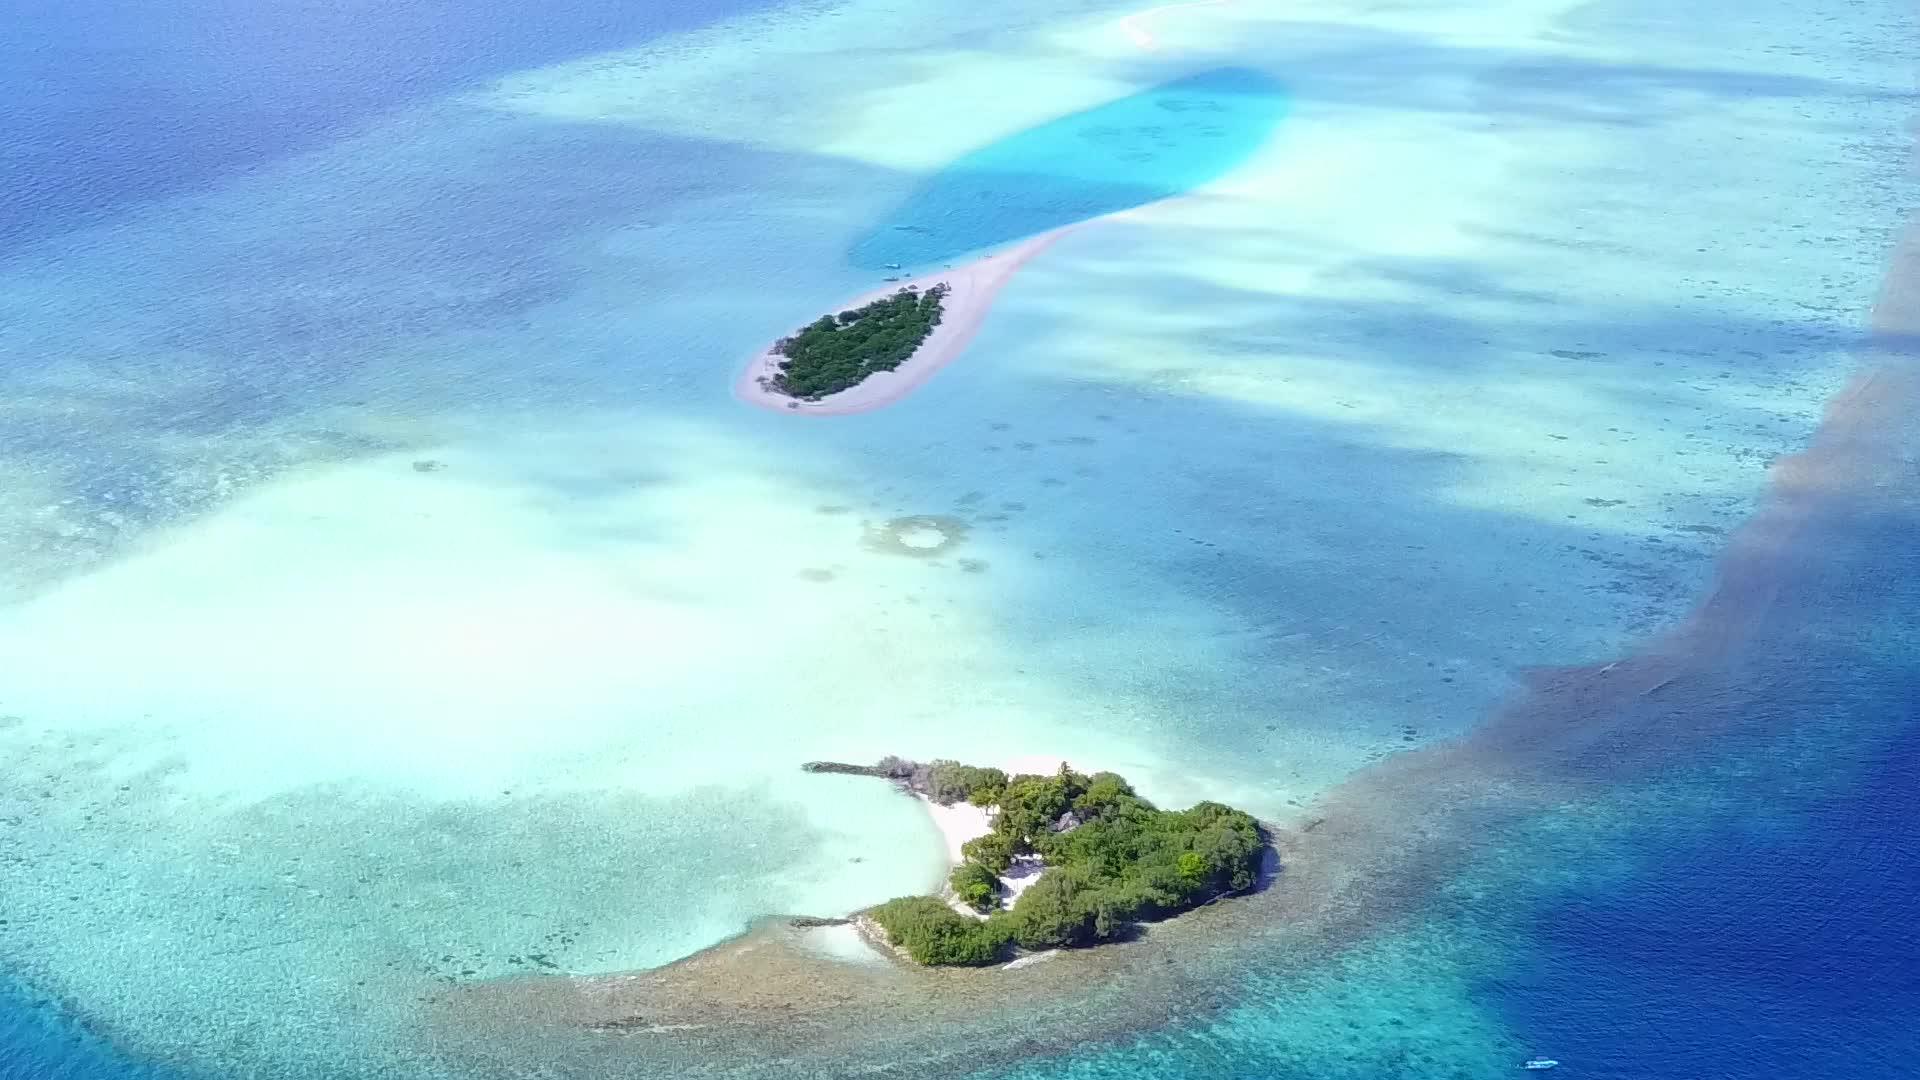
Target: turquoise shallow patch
[(1142, 148)]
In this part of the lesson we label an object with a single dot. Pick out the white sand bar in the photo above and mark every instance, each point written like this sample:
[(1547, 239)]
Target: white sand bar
[(958, 824)]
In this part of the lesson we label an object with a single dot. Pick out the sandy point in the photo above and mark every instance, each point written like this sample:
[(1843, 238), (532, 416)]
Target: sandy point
[(972, 288)]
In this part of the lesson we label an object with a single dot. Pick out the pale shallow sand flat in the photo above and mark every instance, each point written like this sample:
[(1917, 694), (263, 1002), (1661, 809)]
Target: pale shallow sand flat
[(497, 705), (454, 630)]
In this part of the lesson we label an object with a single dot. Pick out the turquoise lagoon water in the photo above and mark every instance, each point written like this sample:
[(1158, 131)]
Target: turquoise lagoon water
[(396, 597), (1153, 145)]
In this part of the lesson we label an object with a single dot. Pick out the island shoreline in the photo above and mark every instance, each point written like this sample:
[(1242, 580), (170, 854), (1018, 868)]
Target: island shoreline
[(972, 288), (962, 822)]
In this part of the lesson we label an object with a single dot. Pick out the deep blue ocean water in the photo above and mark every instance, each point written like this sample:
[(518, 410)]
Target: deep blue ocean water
[(1741, 908), (1742, 949), (1766, 925)]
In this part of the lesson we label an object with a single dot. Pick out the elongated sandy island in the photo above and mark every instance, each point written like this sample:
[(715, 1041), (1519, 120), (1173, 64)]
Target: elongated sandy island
[(972, 288)]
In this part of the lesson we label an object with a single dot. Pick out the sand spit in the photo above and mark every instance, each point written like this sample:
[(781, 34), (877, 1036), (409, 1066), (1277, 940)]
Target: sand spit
[(973, 286)]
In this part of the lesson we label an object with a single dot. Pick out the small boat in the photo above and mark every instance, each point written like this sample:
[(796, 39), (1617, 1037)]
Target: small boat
[(893, 266), (1540, 1063)]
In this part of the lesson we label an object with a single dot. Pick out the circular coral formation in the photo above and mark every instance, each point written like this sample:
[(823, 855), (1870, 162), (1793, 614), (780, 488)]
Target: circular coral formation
[(921, 536)]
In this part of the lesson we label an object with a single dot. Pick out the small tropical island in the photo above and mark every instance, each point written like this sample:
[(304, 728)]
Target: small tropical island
[(1093, 859), (835, 352), (887, 343)]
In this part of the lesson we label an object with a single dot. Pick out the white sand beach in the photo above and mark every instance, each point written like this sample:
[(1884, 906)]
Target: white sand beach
[(958, 824), (962, 822), (973, 287)]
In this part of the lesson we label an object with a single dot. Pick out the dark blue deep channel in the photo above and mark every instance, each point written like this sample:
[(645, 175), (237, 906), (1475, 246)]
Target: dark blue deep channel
[(1779, 940)]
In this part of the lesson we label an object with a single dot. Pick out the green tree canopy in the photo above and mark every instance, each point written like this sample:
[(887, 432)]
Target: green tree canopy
[(835, 352), (1111, 858), (975, 885), (933, 933)]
